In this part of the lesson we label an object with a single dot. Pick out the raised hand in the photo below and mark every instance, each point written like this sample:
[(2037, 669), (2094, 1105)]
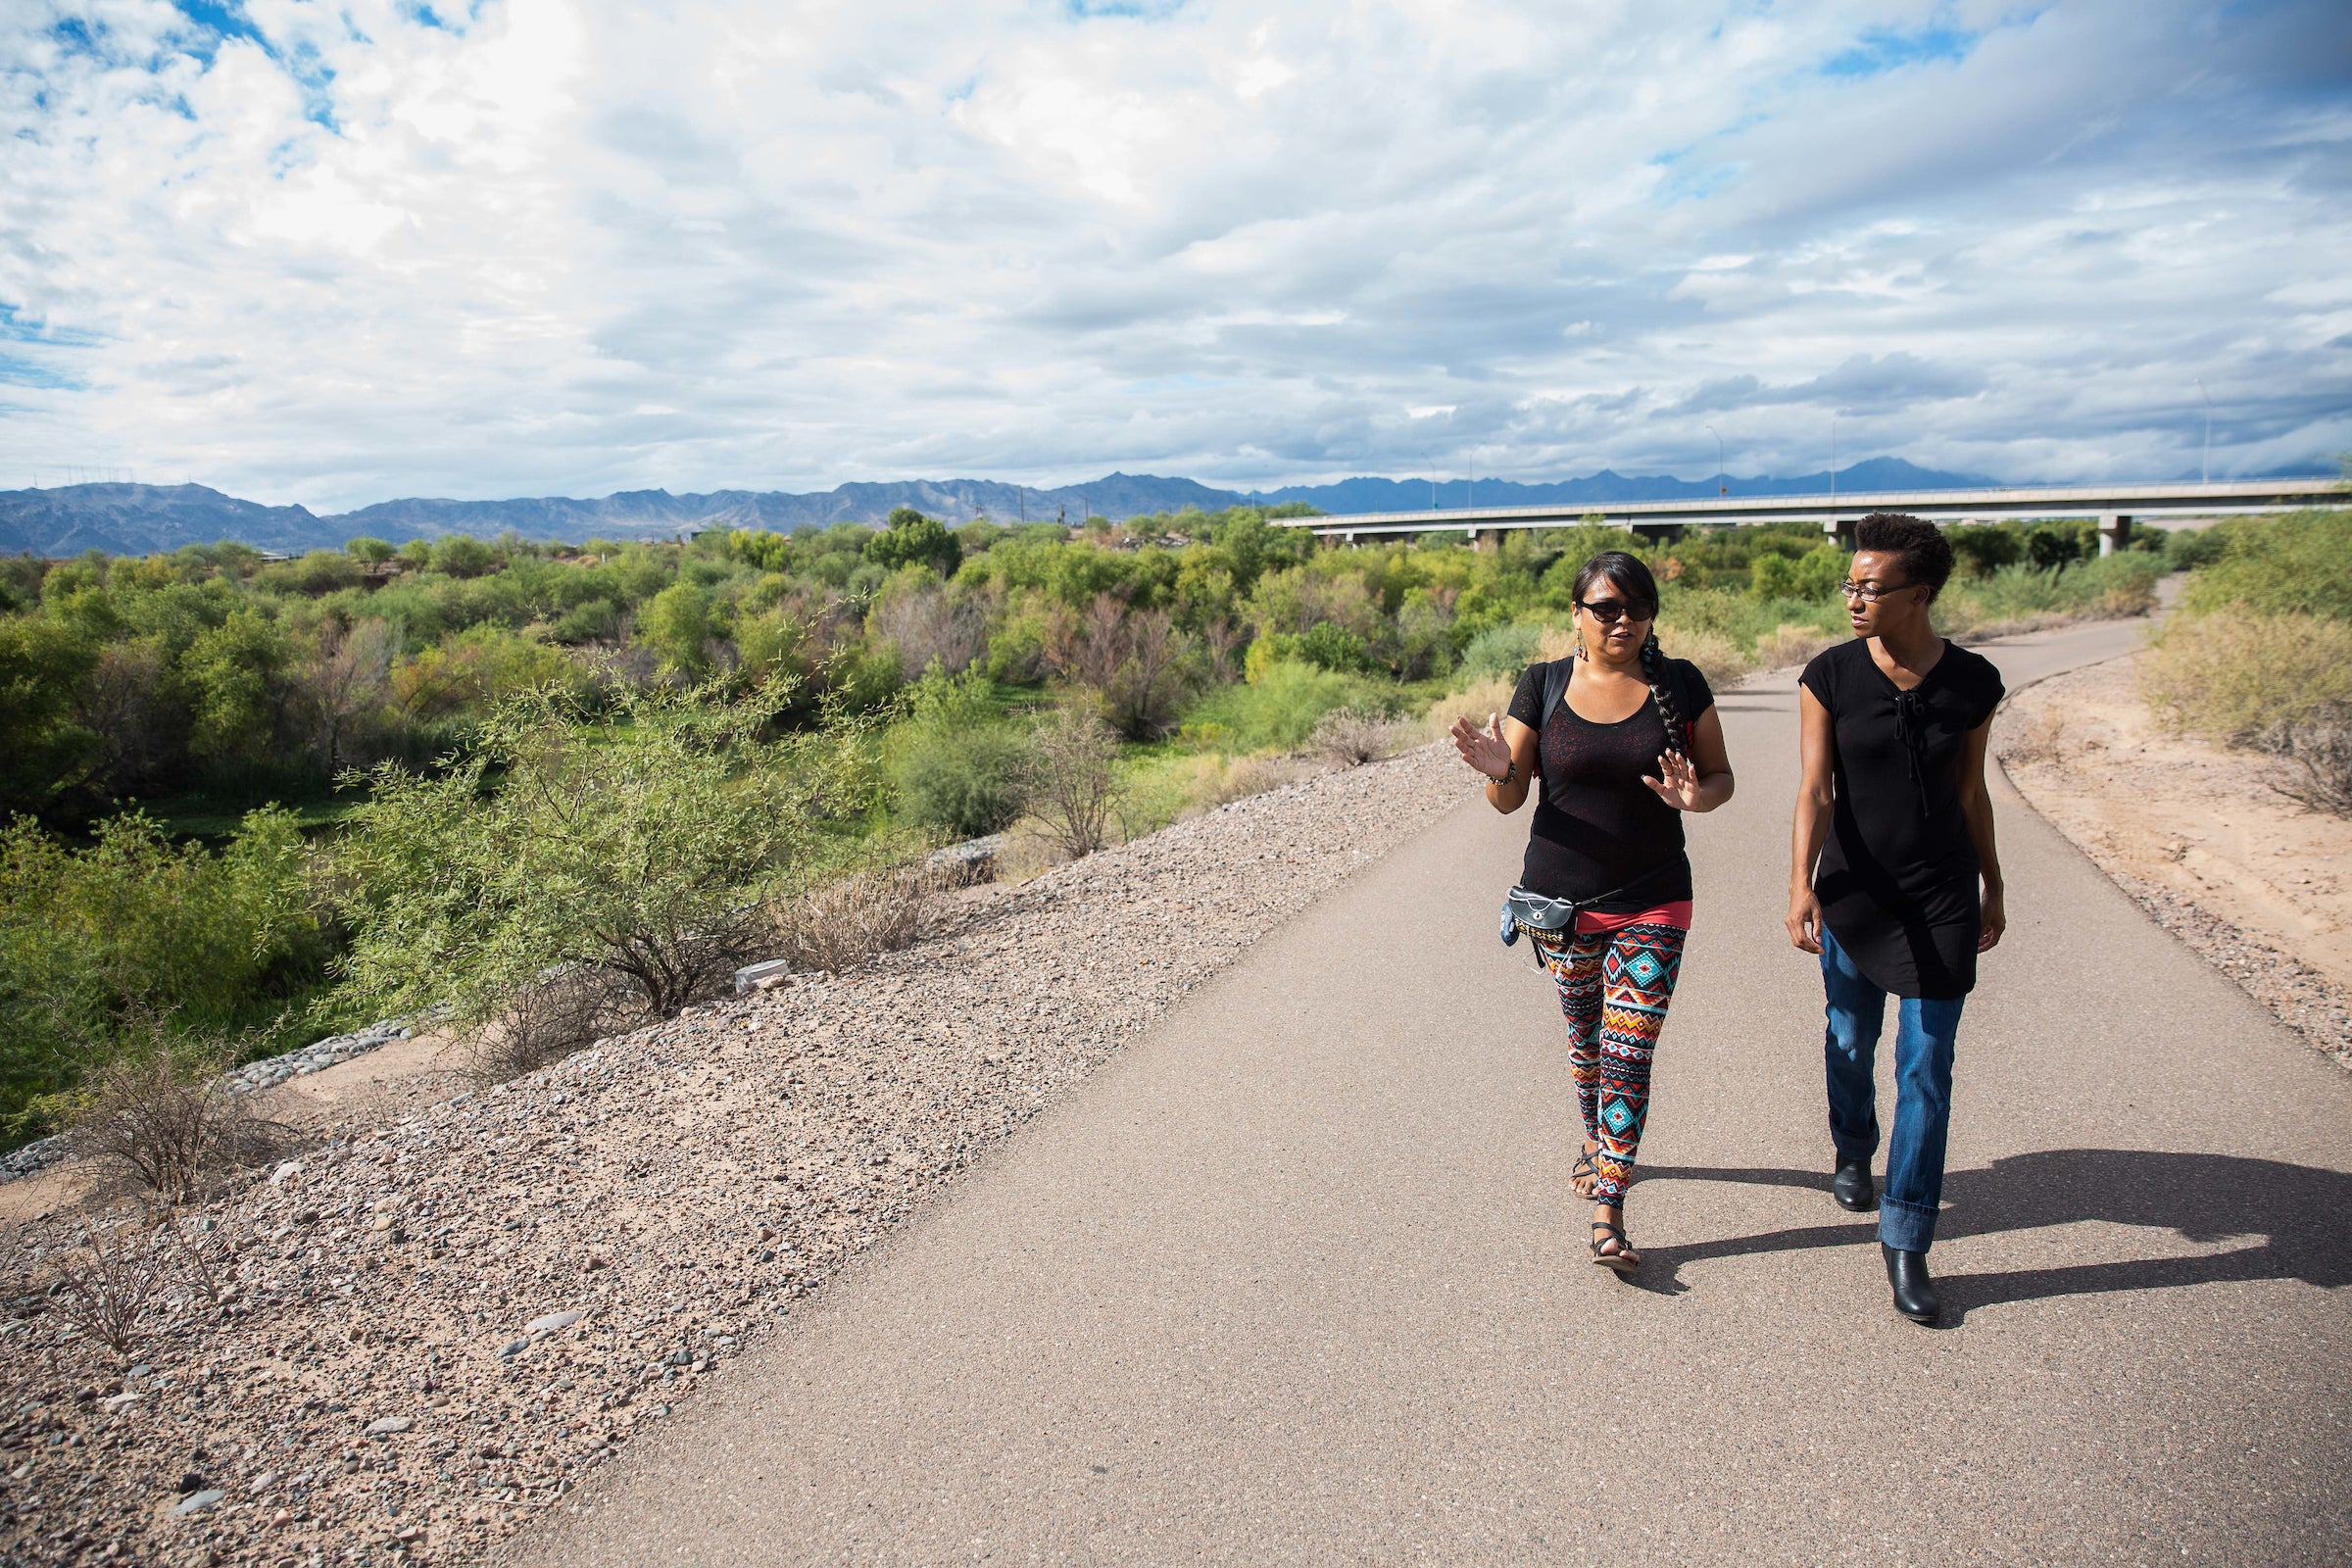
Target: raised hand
[(1483, 749), (1677, 783)]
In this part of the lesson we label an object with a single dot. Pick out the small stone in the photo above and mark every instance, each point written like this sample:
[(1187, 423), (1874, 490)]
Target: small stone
[(389, 1423), (264, 1482), (285, 1169), (551, 1322), (516, 1347), (198, 1503), (191, 1482)]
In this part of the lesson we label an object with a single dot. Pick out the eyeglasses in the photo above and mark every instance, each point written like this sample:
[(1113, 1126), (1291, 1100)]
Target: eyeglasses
[(1871, 595), (1610, 612)]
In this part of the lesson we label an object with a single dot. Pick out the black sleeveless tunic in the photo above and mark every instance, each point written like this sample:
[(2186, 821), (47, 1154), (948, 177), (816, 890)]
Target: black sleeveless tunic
[(1897, 879)]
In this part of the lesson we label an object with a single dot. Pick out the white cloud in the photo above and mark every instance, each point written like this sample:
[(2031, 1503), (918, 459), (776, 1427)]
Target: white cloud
[(334, 253)]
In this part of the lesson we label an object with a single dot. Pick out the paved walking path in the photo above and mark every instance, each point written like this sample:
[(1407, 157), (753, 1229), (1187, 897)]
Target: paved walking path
[(1297, 1280)]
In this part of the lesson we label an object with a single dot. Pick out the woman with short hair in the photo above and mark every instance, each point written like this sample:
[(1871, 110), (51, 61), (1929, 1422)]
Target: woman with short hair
[(1895, 882), (1625, 741)]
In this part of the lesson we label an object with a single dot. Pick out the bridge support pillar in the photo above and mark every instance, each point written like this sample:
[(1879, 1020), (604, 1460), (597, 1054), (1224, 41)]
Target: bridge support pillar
[(1840, 531), (1486, 540), (2115, 532), (1655, 533)]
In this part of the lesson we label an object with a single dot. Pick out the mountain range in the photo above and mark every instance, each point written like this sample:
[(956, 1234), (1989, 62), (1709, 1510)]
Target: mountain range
[(141, 519)]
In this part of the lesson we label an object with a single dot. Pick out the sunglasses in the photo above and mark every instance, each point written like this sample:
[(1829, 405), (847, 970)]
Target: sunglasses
[(1610, 612)]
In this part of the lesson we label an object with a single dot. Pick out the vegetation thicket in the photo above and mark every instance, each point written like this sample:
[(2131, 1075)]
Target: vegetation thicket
[(2260, 653), (548, 786)]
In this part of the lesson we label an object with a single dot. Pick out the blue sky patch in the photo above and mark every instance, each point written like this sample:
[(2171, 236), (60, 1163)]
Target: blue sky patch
[(1884, 49)]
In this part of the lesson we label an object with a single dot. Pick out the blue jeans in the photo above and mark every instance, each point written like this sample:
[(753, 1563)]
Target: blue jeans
[(1924, 1032)]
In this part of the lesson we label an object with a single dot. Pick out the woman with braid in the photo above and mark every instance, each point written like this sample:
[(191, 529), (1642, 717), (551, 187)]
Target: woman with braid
[(1625, 740)]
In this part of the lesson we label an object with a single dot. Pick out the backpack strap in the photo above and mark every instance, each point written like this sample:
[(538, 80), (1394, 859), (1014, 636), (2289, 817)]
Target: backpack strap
[(1556, 685)]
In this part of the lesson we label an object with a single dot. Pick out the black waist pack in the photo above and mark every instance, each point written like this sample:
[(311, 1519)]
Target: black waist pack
[(1523, 910)]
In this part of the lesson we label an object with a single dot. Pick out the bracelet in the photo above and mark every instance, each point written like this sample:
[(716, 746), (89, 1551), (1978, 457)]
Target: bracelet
[(1508, 774)]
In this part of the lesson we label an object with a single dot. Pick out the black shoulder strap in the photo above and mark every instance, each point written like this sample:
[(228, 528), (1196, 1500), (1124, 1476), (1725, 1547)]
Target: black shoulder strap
[(1556, 685)]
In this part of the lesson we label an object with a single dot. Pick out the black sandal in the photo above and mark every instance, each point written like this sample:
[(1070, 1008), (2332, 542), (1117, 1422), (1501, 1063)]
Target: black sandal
[(1583, 1168), (1625, 1260)]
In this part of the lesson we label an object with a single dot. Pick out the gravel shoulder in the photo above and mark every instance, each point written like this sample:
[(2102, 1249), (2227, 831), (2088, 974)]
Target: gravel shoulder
[(2258, 886), (434, 1323)]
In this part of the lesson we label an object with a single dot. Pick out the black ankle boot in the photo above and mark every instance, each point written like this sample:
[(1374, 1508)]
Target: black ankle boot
[(1851, 1185), (1913, 1292)]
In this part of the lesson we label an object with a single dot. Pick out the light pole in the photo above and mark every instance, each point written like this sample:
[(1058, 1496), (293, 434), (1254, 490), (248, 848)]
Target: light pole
[(1721, 488), (1833, 464), (2205, 467)]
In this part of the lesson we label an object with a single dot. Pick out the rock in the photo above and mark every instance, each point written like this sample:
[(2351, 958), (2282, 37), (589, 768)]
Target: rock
[(551, 1323), (198, 1503), (751, 976), (514, 1348), (388, 1423), (191, 1482), (287, 1168)]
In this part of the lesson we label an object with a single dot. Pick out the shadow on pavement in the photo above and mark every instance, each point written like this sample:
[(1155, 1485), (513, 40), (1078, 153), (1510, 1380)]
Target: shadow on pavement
[(2292, 1213)]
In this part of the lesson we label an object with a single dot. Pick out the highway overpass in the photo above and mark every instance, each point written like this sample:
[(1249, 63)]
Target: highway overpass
[(2113, 505)]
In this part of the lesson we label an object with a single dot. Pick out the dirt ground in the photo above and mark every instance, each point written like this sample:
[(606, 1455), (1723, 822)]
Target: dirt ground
[(2256, 883)]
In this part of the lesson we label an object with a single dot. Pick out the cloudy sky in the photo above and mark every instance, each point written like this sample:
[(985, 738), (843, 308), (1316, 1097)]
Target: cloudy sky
[(331, 251)]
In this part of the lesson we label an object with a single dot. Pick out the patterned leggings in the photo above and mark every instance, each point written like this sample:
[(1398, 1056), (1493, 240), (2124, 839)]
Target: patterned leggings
[(1614, 988)]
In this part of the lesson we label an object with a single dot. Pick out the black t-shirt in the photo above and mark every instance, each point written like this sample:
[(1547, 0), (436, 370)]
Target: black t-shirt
[(1598, 826), (1897, 879)]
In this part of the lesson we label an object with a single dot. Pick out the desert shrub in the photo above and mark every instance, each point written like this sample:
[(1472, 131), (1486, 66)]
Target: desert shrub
[(839, 924), (1787, 645), (1499, 651), (2299, 562), (1741, 620), (162, 1112), (927, 624), (2023, 595), (1073, 780), (96, 941), (1813, 576), (960, 764), (646, 840), (1134, 664), (2185, 549), (1279, 710), (1350, 737), (2314, 756), (1477, 704), (104, 1287), (1714, 654), (548, 1017), (2234, 675), (1246, 776)]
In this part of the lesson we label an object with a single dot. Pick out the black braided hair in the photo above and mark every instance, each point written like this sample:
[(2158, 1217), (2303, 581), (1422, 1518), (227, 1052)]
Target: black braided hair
[(1661, 691), (1631, 579)]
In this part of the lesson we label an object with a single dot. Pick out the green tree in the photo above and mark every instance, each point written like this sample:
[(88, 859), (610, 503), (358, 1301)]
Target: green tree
[(648, 843), (913, 538), (98, 942), (368, 551), (234, 672), (1982, 550), (677, 625), (45, 752), (460, 555)]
